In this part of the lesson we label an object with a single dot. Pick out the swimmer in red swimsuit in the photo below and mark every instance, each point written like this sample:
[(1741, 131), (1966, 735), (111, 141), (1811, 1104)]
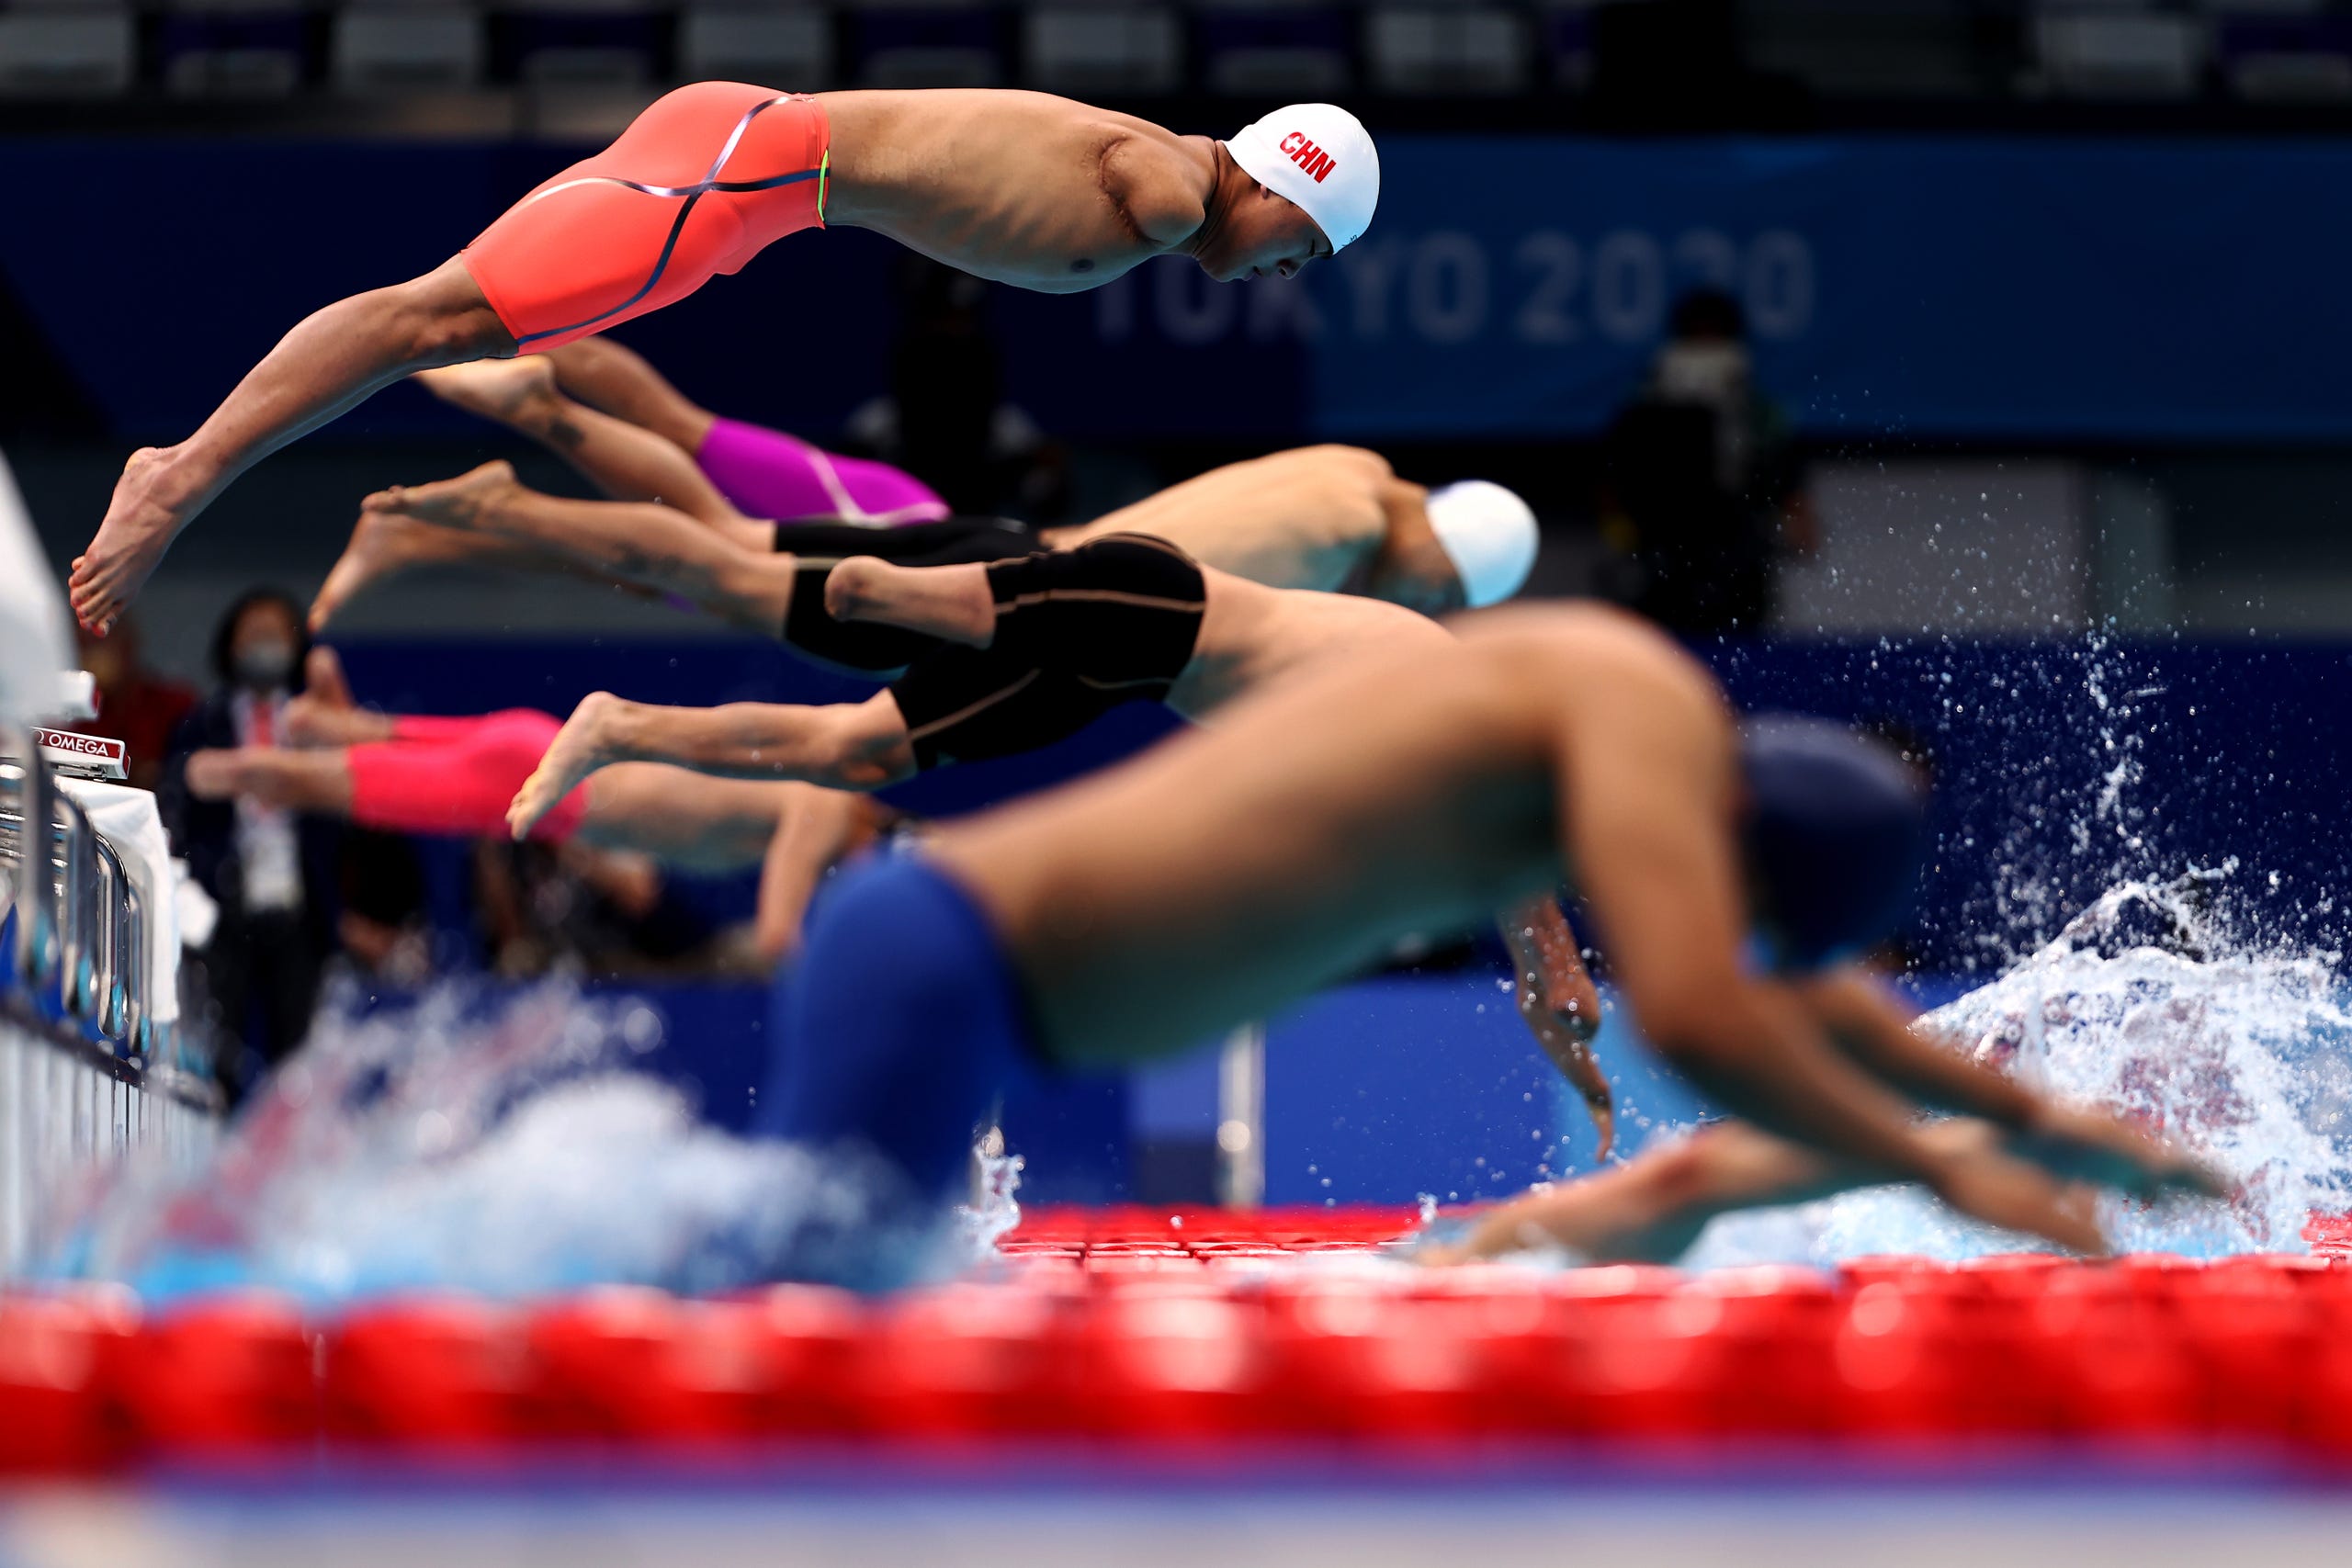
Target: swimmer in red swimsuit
[(1020, 188), (455, 777)]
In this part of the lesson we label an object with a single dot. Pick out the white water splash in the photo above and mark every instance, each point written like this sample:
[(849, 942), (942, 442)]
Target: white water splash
[(504, 1145), (2144, 1005)]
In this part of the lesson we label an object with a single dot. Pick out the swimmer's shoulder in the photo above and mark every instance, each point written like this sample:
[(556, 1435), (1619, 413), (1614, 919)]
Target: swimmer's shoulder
[(1158, 180)]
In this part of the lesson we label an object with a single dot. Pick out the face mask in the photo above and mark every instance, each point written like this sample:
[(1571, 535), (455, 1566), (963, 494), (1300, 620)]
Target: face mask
[(263, 666)]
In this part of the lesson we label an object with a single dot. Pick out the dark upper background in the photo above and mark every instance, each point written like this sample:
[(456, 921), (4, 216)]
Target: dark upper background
[(2045, 300)]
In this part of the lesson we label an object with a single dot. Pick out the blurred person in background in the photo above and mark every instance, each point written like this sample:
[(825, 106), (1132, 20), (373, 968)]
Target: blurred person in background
[(272, 873), (946, 419), (1704, 493), (136, 706)]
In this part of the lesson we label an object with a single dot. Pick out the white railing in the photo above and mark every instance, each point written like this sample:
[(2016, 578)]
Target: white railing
[(93, 1074)]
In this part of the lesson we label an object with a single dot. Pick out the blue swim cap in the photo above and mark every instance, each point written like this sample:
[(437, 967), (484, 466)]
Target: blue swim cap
[(1835, 833)]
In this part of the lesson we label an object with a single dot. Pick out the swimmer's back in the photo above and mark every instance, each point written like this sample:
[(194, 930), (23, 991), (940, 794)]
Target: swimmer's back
[(1021, 188), (1229, 870)]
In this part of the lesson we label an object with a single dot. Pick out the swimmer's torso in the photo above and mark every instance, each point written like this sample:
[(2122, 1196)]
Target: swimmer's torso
[(1301, 519), (1023, 188), (1254, 639), (1233, 870)]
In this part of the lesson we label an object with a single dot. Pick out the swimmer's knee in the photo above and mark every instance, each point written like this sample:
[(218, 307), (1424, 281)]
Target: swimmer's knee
[(442, 317), (864, 745)]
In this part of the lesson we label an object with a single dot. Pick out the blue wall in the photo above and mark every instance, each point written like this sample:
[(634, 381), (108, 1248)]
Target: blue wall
[(2234, 749), (1975, 287)]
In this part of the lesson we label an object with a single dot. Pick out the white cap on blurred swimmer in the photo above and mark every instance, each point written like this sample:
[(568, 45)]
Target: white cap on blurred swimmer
[(1320, 157), (1490, 535)]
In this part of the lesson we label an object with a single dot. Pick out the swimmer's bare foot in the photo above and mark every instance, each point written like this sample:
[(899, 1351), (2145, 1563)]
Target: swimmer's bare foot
[(520, 391), (951, 602), (587, 743), (386, 542), (150, 505), (448, 503)]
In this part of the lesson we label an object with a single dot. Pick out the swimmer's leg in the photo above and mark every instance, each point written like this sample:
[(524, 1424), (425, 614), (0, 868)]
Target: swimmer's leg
[(329, 363), (641, 544), (386, 542), (455, 776), (683, 819), (953, 603), (1652, 1208), (854, 746), (621, 382), (1106, 590), (318, 782), (623, 460), (763, 472)]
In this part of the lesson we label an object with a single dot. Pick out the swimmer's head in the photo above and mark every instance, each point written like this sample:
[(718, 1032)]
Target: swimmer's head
[(1836, 832), (1488, 533), (1317, 180)]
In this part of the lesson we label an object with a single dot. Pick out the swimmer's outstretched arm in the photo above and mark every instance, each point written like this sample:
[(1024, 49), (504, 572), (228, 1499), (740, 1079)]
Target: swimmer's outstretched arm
[(1652, 1208), (852, 746), (315, 781), (331, 361), (1559, 1003), (1647, 831), (2079, 1145)]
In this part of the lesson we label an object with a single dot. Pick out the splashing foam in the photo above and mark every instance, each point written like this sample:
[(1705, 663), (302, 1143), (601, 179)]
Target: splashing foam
[(2144, 1004), (505, 1145)]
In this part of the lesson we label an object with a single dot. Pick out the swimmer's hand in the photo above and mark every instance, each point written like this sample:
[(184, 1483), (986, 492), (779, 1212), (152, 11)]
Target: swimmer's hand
[(139, 524), (2087, 1146), (1976, 1175)]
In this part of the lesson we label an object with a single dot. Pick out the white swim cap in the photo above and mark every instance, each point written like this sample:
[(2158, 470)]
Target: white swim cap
[(1490, 535), (1319, 156)]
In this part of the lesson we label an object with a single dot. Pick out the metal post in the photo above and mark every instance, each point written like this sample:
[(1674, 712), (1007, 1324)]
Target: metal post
[(1241, 1119), (77, 913), (37, 940)]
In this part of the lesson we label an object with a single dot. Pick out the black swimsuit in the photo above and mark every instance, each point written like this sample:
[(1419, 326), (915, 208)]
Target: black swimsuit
[(1078, 633), (861, 647)]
